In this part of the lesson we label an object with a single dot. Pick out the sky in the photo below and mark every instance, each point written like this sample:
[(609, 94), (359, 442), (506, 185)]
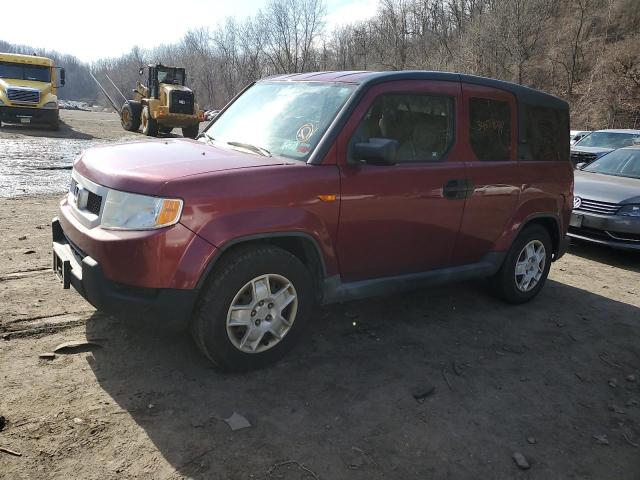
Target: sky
[(91, 30)]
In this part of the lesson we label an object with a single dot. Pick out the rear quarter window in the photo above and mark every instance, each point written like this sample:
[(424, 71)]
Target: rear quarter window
[(546, 134), (490, 129)]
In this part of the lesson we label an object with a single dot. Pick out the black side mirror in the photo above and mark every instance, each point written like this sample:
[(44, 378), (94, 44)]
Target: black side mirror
[(377, 151), (62, 77), (581, 165)]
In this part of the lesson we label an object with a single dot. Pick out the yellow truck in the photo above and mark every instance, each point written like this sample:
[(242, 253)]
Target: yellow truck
[(28, 90)]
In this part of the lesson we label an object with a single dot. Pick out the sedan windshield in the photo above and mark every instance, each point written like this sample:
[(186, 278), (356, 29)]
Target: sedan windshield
[(21, 71), (280, 118), (609, 140), (621, 163)]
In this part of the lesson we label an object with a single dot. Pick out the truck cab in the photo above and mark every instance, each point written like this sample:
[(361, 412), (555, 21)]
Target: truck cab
[(28, 90)]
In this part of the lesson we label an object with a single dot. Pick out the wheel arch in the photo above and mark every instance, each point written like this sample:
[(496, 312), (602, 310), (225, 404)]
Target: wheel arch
[(548, 222), (301, 245)]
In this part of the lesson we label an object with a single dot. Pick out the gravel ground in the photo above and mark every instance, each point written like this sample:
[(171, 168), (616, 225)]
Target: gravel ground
[(556, 380)]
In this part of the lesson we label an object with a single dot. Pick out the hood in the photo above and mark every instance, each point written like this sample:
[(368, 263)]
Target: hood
[(606, 188), (15, 82), (146, 166), (599, 151)]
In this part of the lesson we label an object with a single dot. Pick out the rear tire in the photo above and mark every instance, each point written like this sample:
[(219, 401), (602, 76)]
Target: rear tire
[(191, 131), (149, 125), (130, 115), (530, 255), (241, 338)]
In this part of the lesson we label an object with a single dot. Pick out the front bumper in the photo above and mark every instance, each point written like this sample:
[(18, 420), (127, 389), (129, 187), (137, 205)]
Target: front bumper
[(170, 307), (611, 230), (11, 114)]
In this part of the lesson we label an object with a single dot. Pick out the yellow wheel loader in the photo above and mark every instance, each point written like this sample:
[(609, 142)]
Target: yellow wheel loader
[(161, 105)]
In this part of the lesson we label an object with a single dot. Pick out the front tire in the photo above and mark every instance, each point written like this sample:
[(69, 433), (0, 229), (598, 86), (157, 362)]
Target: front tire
[(55, 123), (526, 266), (130, 115), (149, 125), (254, 308), (191, 131)]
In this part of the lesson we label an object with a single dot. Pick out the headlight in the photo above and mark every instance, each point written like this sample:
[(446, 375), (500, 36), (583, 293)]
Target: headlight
[(630, 211), (130, 211), (50, 105)]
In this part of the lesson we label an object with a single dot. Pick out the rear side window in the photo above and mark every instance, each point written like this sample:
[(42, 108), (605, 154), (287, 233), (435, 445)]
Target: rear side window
[(490, 129), (546, 130), (422, 125)]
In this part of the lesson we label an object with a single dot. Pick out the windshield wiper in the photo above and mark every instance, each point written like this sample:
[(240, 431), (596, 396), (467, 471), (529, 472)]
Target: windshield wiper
[(259, 150)]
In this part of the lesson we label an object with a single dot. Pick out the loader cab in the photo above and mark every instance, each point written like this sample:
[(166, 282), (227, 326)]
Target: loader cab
[(162, 74)]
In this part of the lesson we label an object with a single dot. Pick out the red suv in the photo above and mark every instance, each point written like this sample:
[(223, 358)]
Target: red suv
[(320, 187)]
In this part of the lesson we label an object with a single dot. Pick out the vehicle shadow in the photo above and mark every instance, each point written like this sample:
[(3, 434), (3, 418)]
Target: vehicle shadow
[(627, 260), (34, 130), (341, 404)]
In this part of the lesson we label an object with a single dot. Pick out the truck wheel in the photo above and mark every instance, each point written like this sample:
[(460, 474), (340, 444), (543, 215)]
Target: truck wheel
[(55, 124), (149, 125), (130, 115), (254, 308), (526, 266), (191, 131)]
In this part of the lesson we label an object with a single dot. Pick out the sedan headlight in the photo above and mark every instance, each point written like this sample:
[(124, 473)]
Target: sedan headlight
[(130, 211), (630, 211), (50, 105)]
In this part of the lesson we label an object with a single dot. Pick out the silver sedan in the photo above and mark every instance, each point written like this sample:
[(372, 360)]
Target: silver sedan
[(606, 203)]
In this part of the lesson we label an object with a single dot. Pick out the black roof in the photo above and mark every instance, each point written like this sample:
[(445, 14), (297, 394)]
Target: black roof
[(366, 78)]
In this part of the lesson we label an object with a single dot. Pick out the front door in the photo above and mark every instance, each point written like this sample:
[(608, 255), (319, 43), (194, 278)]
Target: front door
[(402, 218)]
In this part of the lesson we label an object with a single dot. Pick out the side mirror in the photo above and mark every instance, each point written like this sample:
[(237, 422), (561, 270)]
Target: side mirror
[(377, 151), (141, 71), (581, 165), (62, 77)]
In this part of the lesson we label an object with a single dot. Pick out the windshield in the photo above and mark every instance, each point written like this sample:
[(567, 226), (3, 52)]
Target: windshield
[(283, 118), (609, 140), (25, 72), (621, 163), (173, 76)]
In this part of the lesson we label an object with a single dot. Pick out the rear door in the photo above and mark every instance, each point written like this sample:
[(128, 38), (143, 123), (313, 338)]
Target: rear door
[(490, 136), (402, 218)]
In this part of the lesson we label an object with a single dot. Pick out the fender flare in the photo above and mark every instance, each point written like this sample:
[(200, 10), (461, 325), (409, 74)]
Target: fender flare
[(257, 237)]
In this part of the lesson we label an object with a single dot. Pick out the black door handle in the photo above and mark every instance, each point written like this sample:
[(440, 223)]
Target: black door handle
[(457, 189)]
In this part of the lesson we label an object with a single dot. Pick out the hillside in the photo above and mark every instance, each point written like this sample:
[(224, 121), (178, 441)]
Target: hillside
[(586, 51)]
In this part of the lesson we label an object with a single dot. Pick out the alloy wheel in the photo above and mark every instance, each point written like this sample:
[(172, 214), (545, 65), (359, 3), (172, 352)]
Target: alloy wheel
[(530, 265), (262, 313)]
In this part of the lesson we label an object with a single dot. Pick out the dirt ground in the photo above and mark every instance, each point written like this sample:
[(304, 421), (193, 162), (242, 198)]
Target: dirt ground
[(557, 380)]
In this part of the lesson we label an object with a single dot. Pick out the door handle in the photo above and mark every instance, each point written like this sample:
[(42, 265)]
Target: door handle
[(457, 189)]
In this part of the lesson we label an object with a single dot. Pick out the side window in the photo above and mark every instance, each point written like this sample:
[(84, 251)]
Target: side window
[(422, 125), (546, 130), (490, 129)]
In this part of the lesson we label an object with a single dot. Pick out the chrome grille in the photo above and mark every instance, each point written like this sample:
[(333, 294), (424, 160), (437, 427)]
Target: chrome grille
[(23, 95), (594, 206)]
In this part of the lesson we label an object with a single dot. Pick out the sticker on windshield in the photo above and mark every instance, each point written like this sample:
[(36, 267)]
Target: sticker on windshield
[(289, 145), (304, 132)]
